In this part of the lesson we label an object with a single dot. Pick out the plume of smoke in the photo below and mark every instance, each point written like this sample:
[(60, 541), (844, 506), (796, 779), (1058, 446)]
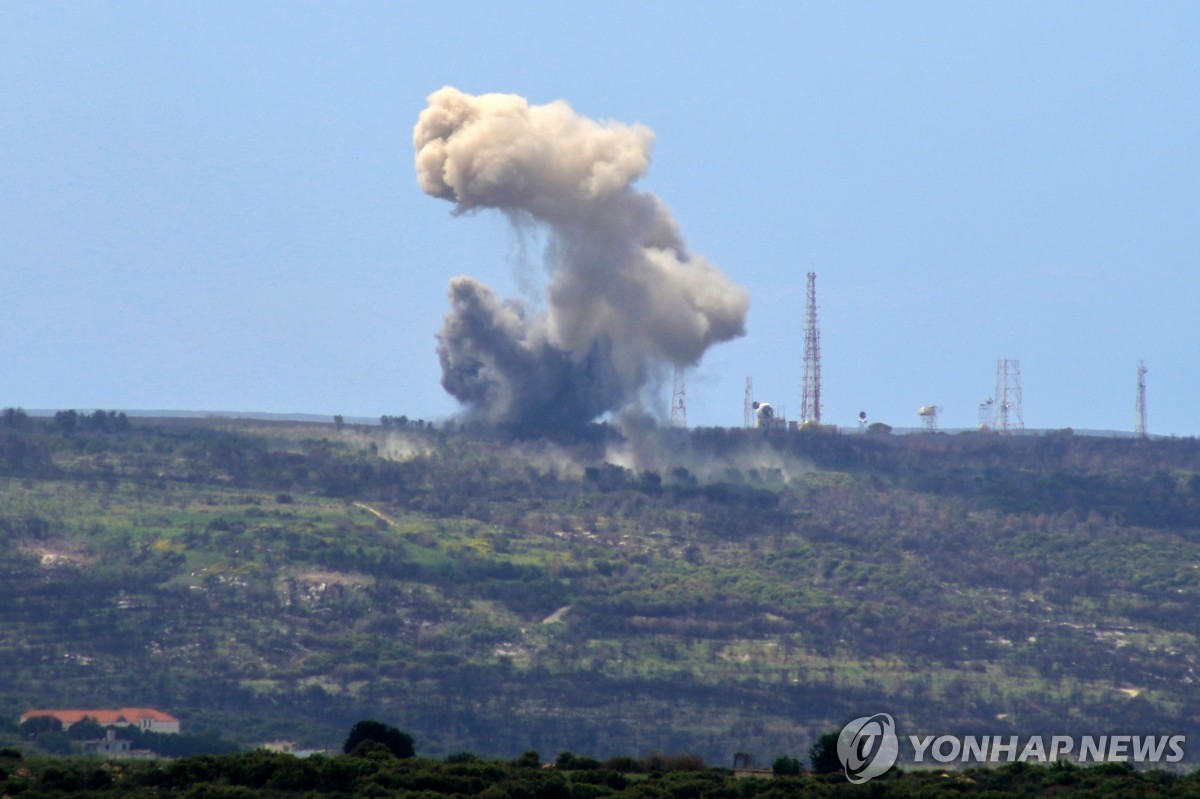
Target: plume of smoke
[(738, 459), (624, 297)]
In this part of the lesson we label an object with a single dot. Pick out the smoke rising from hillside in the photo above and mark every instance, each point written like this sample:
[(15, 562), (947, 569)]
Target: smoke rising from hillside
[(624, 297)]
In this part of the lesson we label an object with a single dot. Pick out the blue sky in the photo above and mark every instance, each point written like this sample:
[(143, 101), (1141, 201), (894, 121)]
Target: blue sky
[(213, 205)]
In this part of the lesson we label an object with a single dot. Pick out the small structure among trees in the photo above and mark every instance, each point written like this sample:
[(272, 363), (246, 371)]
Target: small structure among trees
[(745, 765)]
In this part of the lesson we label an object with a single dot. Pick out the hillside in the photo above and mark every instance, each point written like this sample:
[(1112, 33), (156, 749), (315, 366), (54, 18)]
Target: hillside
[(728, 592)]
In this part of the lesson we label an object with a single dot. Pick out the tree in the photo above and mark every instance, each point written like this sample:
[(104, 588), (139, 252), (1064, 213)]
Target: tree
[(787, 766), (529, 759), (399, 743), (86, 730), (56, 743), (14, 419), (339, 421), (39, 725), (66, 421), (824, 755), (569, 761)]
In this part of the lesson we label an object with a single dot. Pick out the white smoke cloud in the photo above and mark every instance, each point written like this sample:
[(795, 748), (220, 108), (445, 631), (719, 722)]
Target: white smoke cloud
[(624, 295)]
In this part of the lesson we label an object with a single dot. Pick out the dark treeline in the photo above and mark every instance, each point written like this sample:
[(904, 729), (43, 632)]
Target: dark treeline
[(374, 772)]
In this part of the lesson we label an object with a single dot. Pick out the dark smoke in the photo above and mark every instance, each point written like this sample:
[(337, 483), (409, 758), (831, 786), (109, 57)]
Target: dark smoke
[(625, 297)]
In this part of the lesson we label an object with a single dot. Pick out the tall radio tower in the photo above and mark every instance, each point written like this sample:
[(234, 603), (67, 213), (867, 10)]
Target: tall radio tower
[(748, 404), (679, 400), (1007, 413), (810, 393), (1139, 425)]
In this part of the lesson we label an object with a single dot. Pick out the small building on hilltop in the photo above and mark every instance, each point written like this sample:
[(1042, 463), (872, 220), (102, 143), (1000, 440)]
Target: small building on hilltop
[(745, 765), (108, 746), (146, 719)]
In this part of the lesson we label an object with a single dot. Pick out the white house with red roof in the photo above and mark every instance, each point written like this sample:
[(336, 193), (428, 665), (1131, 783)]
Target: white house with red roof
[(146, 719)]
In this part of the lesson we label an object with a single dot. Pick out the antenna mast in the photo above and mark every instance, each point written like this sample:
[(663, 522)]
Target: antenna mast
[(1139, 425), (679, 400), (810, 394), (748, 404)]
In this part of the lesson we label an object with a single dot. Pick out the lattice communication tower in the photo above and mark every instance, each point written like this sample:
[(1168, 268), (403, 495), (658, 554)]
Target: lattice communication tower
[(1139, 424), (810, 393), (1007, 415)]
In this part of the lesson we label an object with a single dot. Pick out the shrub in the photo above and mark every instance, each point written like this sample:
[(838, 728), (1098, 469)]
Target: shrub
[(398, 743)]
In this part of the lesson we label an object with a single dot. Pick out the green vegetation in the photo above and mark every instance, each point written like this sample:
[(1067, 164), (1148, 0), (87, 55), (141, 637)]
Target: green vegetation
[(376, 773), (823, 756), (397, 743), (280, 581)]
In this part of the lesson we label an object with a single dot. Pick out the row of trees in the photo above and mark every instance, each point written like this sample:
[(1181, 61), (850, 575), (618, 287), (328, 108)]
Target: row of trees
[(404, 423), (372, 770), (70, 421), (368, 738)]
